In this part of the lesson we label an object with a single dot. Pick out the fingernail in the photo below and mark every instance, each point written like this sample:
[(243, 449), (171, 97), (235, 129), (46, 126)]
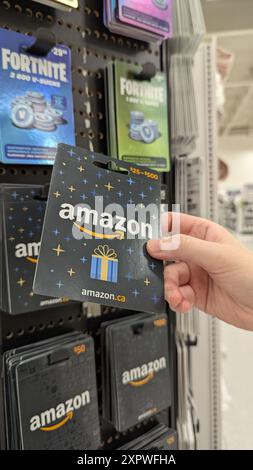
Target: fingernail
[(166, 243), (153, 246), (169, 294)]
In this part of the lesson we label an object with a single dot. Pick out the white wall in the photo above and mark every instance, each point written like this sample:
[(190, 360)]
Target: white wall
[(228, 15), (237, 152)]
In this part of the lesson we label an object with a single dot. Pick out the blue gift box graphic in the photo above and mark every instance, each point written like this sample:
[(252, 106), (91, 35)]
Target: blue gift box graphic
[(104, 264)]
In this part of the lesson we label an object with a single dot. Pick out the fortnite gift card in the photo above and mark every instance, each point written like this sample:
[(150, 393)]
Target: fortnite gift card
[(152, 15), (142, 118), (97, 223), (36, 104)]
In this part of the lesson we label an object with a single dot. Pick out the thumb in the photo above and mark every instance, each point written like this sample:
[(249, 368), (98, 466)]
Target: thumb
[(207, 255)]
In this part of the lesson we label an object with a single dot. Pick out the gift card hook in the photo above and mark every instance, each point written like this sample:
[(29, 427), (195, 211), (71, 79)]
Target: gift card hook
[(111, 166), (44, 42), (58, 356), (147, 73), (43, 195), (138, 328)]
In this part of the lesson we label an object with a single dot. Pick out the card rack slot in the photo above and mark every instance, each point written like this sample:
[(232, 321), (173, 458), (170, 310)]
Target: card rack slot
[(92, 47)]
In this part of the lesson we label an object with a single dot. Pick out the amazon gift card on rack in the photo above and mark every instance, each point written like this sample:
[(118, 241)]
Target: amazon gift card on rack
[(43, 410), (99, 217), (135, 369), (22, 218)]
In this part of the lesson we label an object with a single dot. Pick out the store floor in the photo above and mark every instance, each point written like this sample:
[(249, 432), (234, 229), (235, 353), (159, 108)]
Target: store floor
[(237, 388)]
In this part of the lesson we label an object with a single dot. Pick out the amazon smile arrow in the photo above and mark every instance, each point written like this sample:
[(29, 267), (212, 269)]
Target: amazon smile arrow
[(118, 234), (68, 417)]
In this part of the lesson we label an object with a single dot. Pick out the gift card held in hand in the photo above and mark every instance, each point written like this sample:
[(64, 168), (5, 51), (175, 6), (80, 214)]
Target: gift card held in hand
[(99, 217)]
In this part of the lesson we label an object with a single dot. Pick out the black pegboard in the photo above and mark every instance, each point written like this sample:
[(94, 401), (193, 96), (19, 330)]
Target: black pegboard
[(92, 47)]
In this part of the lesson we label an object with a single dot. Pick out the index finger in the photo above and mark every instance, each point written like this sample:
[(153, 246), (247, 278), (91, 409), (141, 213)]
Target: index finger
[(196, 227)]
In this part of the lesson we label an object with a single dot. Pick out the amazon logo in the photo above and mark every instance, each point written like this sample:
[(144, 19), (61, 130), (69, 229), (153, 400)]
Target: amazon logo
[(55, 418), (141, 375), (92, 223), (30, 251)]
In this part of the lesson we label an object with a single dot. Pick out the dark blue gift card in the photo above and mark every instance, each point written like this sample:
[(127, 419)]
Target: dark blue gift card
[(99, 216)]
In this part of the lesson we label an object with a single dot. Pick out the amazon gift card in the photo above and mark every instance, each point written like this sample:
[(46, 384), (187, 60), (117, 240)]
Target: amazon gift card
[(23, 212), (100, 214), (136, 369), (51, 395)]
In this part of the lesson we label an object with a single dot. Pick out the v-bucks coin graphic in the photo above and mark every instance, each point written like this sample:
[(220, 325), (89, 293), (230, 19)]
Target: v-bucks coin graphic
[(134, 133), (21, 100), (161, 4), (56, 114), (154, 126), (38, 107), (44, 122), (136, 117), (147, 133), (35, 96), (32, 109), (22, 116)]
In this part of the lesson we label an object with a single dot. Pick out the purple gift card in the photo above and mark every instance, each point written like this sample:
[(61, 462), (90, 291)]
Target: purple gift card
[(152, 15)]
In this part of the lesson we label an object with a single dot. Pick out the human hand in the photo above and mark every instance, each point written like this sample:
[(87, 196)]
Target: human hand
[(212, 271)]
